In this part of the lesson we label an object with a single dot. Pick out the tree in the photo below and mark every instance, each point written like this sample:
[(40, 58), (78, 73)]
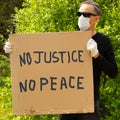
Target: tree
[(6, 19)]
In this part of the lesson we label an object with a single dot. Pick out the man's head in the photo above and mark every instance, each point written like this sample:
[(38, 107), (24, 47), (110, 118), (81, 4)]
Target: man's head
[(89, 14)]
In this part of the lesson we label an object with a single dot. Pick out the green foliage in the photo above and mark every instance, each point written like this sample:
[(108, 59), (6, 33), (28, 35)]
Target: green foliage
[(47, 16), (5, 88), (110, 99), (4, 65), (6, 20), (61, 15)]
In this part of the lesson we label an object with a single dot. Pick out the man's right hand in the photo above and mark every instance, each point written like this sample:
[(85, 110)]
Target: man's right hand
[(8, 47)]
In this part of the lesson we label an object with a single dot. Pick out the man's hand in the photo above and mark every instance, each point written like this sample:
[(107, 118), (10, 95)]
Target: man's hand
[(92, 47), (8, 47)]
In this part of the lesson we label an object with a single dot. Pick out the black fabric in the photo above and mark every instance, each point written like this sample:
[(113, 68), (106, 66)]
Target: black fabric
[(104, 62)]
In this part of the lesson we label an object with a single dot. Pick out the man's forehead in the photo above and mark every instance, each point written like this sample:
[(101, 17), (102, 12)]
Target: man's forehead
[(86, 8)]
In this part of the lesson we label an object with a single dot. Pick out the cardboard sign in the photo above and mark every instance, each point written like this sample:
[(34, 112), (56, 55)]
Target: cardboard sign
[(51, 73)]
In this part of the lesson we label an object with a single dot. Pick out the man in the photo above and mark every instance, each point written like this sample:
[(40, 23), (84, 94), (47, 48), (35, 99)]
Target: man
[(100, 50)]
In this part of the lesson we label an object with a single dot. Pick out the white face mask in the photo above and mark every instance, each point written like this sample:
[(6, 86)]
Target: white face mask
[(83, 23)]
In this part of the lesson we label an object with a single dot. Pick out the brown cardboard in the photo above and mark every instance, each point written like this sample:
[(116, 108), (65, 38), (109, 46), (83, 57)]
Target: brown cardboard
[(62, 85)]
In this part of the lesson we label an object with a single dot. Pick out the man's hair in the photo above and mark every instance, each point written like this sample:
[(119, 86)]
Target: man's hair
[(96, 6)]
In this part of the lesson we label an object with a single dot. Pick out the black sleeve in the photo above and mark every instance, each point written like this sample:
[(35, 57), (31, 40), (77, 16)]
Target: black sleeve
[(106, 62)]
